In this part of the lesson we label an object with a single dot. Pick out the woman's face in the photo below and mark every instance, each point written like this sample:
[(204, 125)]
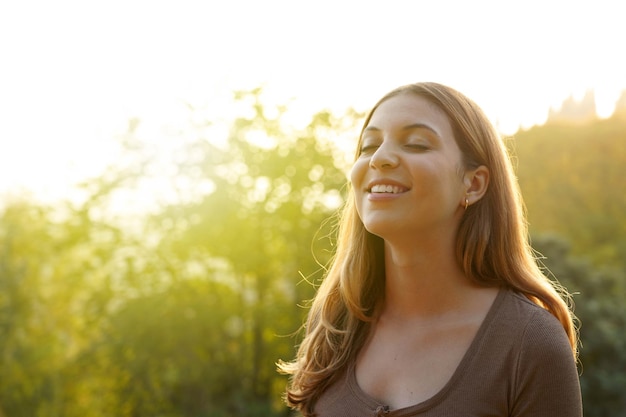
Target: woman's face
[(408, 177)]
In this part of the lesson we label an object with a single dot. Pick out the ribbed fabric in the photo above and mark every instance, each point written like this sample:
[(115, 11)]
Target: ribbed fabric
[(519, 364)]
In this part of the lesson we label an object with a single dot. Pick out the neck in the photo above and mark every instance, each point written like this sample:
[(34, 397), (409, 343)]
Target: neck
[(423, 282)]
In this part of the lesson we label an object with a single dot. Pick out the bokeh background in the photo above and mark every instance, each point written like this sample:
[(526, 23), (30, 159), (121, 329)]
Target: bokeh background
[(170, 172)]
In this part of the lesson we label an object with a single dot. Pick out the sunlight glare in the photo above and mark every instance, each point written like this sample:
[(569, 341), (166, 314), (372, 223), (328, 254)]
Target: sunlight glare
[(70, 83)]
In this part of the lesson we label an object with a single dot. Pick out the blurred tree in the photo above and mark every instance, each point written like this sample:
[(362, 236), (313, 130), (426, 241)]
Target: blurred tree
[(58, 270), (213, 281), (28, 366), (173, 353), (271, 190), (54, 290), (599, 298), (572, 178)]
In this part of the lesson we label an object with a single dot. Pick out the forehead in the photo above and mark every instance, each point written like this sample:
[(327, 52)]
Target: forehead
[(409, 109)]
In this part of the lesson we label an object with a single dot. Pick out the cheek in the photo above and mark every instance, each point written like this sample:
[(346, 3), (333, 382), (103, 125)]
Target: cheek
[(357, 174)]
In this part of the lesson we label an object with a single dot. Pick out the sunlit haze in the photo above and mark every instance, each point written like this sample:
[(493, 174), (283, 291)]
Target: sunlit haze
[(73, 73)]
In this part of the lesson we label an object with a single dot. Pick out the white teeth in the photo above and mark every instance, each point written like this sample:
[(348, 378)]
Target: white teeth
[(382, 188)]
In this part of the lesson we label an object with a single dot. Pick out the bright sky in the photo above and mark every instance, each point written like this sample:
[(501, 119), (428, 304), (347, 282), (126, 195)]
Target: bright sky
[(73, 72)]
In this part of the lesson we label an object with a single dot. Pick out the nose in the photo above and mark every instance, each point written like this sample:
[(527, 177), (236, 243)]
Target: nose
[(385, 157)]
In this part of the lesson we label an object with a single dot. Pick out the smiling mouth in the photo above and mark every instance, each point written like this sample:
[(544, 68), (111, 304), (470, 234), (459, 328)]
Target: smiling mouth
[(387, 189)]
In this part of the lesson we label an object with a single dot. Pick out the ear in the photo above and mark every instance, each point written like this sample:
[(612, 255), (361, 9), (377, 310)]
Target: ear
[(476, 182)]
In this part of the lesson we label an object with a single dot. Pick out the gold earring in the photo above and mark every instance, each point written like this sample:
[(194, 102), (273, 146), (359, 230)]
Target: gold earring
[(466, 203)]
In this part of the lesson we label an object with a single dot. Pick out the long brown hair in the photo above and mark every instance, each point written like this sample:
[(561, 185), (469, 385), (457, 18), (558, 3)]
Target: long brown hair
[(492, 247)]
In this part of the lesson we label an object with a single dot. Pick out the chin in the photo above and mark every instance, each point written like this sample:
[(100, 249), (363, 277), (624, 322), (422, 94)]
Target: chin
[(381, 229)]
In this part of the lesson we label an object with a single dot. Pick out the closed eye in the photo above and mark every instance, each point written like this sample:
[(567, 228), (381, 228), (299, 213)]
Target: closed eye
[(368, 149), (417, 147)]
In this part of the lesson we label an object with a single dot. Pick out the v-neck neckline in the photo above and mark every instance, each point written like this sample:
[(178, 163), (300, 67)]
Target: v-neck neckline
[(458, 374)]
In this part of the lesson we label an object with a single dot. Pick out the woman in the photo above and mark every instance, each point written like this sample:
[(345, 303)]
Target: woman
[(434, 304)]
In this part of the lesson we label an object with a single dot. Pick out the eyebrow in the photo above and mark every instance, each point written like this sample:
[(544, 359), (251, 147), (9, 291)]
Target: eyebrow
[(407, 127)]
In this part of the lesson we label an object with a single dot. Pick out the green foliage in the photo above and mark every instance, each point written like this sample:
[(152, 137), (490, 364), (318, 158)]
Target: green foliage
[(259, 219), (183, 312), (572, 178), (165, 349), (53, 288), (599, 300)]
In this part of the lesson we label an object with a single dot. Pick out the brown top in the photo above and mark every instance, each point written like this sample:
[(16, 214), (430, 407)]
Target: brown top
[(519, 364)]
